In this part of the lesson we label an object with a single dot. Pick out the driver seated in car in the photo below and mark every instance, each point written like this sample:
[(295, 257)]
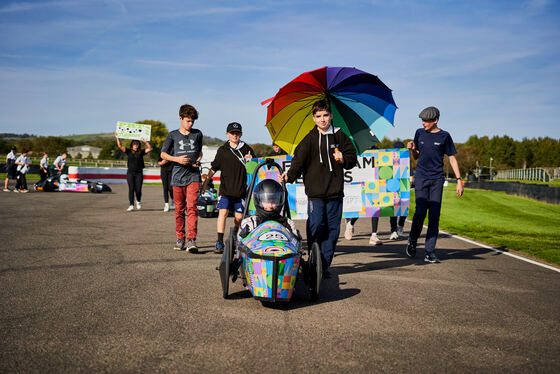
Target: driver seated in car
[(269, 199)]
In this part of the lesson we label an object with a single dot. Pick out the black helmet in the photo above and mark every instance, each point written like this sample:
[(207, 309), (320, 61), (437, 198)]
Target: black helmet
[(269, 198)]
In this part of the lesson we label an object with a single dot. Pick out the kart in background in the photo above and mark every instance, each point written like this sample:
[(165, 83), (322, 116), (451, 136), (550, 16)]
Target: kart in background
[(61, 183)]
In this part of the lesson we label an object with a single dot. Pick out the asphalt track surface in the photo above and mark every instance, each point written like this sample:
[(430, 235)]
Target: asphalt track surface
[(89, 287)]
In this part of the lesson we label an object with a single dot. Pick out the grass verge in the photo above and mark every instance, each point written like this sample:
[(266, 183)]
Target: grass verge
[(503, 221), (553, 183)]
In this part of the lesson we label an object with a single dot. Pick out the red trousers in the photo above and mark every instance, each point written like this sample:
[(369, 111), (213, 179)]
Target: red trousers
[(185, 197)]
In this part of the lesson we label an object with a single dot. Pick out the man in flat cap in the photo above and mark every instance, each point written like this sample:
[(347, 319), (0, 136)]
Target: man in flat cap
[(429, 146)]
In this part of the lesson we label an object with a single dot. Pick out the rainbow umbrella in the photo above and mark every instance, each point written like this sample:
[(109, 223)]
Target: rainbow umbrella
[(362, 106)]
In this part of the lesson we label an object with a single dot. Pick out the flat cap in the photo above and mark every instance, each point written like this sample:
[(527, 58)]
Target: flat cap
[(429, 114)]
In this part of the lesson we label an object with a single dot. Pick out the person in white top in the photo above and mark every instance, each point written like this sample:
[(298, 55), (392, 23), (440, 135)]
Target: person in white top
[(22, 163), (10, 167), (59, 163), (44, 166)]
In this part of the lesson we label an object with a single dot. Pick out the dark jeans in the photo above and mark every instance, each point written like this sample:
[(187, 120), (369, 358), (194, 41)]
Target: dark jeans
[(323, 226), (428, 200), (43, 174), (21, 181), (166, 181), (394, 222), (374, 223), (134, 180)]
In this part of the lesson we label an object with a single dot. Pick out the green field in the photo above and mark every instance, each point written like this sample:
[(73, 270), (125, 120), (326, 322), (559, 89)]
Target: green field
[(29, 177), (503, 221), (553, 183), (90, 137)]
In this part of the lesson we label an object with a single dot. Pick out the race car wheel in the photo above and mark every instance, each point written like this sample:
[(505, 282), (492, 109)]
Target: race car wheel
[(315, 270), (225, 266)]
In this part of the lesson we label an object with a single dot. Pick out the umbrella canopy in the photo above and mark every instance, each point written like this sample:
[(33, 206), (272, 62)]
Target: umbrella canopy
[(361, 104)]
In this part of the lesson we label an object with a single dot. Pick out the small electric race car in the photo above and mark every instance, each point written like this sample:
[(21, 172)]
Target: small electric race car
[(58, 183), (207, 203), (270, 257)]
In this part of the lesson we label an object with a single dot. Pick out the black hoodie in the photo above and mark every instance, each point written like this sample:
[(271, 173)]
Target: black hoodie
[(231, 161), (323, 177)]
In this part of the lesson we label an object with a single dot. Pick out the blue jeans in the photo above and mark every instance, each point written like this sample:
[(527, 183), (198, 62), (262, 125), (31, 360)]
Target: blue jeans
[(323, 226), (428, 200)]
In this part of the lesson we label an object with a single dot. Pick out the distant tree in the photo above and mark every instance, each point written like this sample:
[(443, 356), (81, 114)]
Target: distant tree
[(262, 150), (467, 156), (4, 149), (525, 153), (90, 156), (53, 145), (158, 135), (78, 156), (110, 151), (546, 152), (208, 140)]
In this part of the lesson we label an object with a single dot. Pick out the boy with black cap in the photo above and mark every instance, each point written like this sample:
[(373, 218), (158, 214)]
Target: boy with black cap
[(429, 146), (183, 147), (230, 159), (321, 156)]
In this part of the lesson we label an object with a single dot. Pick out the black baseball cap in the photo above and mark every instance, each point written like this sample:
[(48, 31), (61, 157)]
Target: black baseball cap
[(233, 127), (13, 147)]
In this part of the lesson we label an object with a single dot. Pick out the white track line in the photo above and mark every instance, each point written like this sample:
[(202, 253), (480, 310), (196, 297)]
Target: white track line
[(496, 250)]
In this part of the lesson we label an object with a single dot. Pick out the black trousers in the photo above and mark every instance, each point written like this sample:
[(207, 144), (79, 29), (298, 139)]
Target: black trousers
[(394, 222), (134, 180), (166, 181), (21, 181), (43, 174), (428, 201)]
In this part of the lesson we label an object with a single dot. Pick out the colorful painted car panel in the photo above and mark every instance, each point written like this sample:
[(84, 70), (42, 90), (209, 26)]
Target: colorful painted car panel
[(270, 241)]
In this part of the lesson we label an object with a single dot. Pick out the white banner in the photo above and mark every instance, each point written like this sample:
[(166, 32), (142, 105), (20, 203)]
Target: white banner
[(135, 131)]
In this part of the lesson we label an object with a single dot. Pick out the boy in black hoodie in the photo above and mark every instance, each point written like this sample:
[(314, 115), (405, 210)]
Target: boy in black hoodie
[(230, 159), (322, 156)]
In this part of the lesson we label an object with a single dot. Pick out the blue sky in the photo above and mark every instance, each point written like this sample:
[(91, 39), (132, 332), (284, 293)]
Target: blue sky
[(76, 67)]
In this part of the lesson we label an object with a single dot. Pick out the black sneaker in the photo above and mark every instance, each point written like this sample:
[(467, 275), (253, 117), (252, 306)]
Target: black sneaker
[(191, 246), (219, 247), (431, 258), (410, 250), (179, 245)]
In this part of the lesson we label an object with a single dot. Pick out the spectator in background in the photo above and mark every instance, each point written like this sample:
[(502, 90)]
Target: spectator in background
[(59, 162), (397, 223), (44, 167), (165, 173), (10, 167), (277, 150), (429, 146), (134, 174), (22, 163)]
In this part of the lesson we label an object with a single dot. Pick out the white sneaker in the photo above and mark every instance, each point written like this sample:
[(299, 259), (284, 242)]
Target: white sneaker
[(400, 230), (394, 236), (374, 240), (166, 207), (138, 205), (349, 232), (172, 205), (6, 190), (130, 208)]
